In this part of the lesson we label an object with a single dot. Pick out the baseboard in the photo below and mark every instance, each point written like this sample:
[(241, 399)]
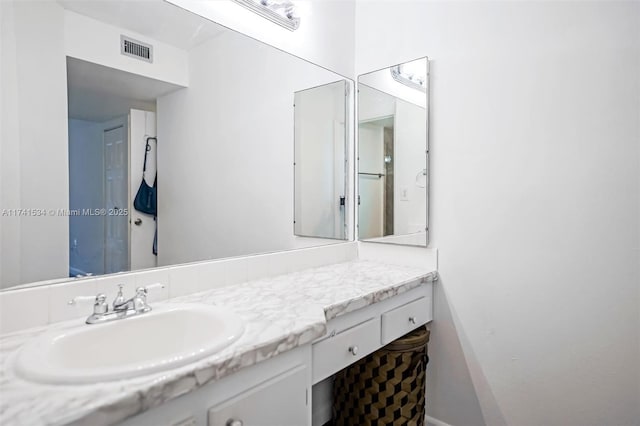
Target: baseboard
[(435, 422)]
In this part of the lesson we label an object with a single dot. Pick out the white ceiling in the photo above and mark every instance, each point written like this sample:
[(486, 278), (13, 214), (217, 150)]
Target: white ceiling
[(162, 21), (99, 93)]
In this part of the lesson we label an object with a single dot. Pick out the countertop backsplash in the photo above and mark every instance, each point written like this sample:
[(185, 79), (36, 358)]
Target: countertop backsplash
[(46, 304)]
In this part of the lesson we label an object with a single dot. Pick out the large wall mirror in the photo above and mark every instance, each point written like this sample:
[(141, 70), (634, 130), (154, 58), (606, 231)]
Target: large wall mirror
[(393, 154), (99, 97)]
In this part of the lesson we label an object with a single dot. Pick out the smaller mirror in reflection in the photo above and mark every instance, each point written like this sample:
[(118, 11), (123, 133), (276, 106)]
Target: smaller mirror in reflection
[(393, 154), (320, 161)]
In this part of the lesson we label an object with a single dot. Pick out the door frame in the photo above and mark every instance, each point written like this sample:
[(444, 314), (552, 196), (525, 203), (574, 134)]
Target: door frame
[(122, 121)]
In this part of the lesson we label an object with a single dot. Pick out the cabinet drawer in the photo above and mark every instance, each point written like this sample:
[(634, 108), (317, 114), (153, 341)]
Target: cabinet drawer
[(334, 353), (405, 318), (281, 401)]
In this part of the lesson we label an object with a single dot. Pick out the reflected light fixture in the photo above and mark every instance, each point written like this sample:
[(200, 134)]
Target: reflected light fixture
[(412, 74), (282, 12)]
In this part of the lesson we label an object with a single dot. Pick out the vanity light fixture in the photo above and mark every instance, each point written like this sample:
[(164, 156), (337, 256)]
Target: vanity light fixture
[(281, 12), (412, 74)]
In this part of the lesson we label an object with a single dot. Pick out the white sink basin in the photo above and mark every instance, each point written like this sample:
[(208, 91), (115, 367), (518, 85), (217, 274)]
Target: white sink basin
[(167, 337)]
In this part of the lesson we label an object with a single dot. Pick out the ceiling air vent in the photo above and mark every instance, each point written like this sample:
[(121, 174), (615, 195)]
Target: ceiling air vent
[(136, 49)]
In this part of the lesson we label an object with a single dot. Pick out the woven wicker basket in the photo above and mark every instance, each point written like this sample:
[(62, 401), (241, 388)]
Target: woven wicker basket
[(386, 388)]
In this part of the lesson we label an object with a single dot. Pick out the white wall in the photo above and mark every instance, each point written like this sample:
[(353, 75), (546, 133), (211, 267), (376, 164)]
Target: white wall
[(535, 203), (98, 42), (226, 151), (34, 122), (325, 35), (86, 191), (374, 104), (409, 146), (9, 131)]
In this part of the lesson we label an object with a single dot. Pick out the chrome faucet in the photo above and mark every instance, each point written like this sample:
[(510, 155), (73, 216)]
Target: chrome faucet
[(137, 303), (121, 308)]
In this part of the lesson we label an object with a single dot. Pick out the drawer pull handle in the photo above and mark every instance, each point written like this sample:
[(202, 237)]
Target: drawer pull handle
[(234, 422), (353, 350), (412, 320)]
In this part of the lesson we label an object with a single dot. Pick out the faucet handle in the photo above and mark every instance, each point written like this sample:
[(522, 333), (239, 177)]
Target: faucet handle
[(100, 297), (99, 302), (77, 299), (153, 286), (140, 300)]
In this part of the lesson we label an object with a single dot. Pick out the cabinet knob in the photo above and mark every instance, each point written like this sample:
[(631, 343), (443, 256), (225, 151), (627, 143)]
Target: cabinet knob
[(353, 350), (234, 422), (412, 320)]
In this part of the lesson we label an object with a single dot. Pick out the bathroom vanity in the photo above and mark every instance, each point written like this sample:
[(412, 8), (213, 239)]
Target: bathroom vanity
[(261, 184), (300, 329)]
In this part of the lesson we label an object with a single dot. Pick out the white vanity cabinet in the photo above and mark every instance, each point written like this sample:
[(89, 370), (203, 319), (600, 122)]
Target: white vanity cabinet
[(278, 391), (281, 401), (401, 320), (275, 392), (338, 351), (355, 335)]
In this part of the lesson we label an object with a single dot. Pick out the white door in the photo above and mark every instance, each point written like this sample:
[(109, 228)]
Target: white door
[(142, 125), (116, 201)]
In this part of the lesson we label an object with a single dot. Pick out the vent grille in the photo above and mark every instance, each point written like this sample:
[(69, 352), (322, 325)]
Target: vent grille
[(136, 49)]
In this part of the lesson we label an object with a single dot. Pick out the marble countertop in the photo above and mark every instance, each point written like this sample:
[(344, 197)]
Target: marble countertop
[(281, 313)]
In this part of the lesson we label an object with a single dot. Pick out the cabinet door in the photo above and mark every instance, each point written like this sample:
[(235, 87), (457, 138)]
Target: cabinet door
[(281, 401)]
